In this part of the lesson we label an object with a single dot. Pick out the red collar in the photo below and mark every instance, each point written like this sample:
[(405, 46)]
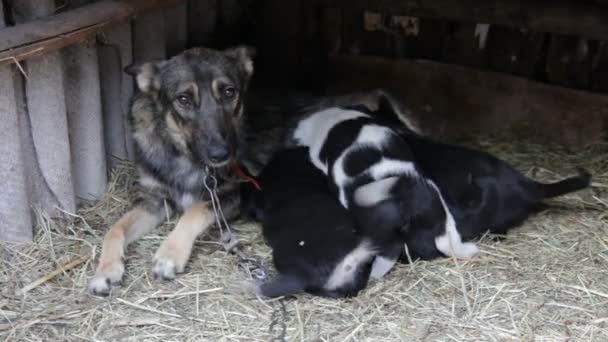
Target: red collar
[(238, 171)]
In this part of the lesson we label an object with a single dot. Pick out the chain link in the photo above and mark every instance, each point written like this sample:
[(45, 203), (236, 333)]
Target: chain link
[(252, 266)]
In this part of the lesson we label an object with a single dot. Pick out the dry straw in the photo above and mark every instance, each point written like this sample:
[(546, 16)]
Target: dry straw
[(547, 282)]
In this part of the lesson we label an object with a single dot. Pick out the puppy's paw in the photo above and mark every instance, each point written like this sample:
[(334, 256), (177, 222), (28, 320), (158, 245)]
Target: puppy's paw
[(381, 266), (106, 276), (468, 250)]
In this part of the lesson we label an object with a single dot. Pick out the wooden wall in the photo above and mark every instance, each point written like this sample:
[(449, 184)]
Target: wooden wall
[(63, 110), (523, 51)]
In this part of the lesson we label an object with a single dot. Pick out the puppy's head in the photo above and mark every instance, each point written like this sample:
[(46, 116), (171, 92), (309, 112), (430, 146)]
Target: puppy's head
[(200, 95)]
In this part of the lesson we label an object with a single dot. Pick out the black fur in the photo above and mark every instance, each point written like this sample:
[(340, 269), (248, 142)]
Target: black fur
[(483, 192), (308, 229)]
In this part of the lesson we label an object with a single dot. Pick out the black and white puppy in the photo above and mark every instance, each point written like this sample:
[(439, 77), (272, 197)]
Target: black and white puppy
[(316, 247), (374, 174), (484, 193)]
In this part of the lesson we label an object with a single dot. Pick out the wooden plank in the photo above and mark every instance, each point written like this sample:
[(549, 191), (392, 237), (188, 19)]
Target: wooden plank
[(455, 101), (515, 51), (202, 22), (176, 29), (47, 112), (15, 214), (83, 100), (115, 53), (38, 37), (568, 62), (465, 44), (599, 74), (149, 37), (557, 16), (278, 25)]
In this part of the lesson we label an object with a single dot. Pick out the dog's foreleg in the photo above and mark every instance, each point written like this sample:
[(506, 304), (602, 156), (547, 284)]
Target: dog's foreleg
[(129, 228), (174, 252)]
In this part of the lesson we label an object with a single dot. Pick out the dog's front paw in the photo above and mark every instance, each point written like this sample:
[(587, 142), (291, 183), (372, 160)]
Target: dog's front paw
[(107, 275), (168, 262)]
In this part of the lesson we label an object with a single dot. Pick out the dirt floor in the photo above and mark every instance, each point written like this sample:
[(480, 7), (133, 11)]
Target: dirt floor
[(548, 281)]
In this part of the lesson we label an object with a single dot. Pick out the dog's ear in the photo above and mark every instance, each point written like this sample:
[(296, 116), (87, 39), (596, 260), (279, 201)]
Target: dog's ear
[(147, 75), (243, 56)]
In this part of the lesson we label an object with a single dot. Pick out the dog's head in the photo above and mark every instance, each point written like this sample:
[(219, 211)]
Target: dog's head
[(200, 94)]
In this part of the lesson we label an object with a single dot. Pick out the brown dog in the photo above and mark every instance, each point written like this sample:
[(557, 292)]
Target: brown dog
[(187, 122)]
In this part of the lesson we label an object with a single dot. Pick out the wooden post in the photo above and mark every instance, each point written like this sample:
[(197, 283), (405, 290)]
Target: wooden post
[(202, 21), (149, 37), (115, 53), (47, 116), (15, 214), (85, 120), (176, 29)]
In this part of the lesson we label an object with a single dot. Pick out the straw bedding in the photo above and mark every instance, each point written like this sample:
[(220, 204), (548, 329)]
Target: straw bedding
[(548, 281)]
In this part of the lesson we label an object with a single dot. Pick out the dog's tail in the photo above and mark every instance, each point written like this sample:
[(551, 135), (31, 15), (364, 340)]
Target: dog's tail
[(571, 184), (283, 285)]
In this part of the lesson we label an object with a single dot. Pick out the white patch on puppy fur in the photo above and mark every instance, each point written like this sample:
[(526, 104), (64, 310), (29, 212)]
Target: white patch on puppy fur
[(392, 167), (341, 178), (313, 131), (450, 243), (346, 269), (373, 193), (381, 266), (373, 135)]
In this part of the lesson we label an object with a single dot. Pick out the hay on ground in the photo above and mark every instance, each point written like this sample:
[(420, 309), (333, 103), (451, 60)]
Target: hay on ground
[(548, 281)]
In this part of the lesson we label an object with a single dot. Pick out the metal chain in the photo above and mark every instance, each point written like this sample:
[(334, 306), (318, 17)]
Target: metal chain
[(281, 320), (252, 266)]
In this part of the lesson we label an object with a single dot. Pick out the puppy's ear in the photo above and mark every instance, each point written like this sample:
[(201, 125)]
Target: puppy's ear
[(147, 75), (244, 57)]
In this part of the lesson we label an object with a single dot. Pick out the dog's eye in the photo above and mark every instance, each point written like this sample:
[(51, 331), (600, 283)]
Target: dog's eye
[(228, 92), (184, 100)]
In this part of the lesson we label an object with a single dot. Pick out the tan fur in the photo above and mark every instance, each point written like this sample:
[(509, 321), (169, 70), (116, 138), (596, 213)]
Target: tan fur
[(177, 133), (129, 228), (147, 80), (174, 252), (215, 86)]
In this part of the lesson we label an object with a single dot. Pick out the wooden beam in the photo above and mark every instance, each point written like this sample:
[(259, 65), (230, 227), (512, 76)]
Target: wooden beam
[(557, 16), (41, 36), (454, 101)]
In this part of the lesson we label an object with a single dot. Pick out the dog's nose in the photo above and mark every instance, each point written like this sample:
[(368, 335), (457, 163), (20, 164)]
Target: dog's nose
[(218, 154)]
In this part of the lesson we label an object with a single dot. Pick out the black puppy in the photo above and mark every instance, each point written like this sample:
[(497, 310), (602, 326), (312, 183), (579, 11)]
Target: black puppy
[(314, 239), (483, 192)]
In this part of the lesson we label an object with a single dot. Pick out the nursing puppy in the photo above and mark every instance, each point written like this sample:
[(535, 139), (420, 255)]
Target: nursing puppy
[(375, 176), (484, 193), (314, 239)]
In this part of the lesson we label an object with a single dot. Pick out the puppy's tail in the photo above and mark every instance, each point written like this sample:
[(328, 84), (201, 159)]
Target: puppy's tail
[(283, 285), (571, 184)]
